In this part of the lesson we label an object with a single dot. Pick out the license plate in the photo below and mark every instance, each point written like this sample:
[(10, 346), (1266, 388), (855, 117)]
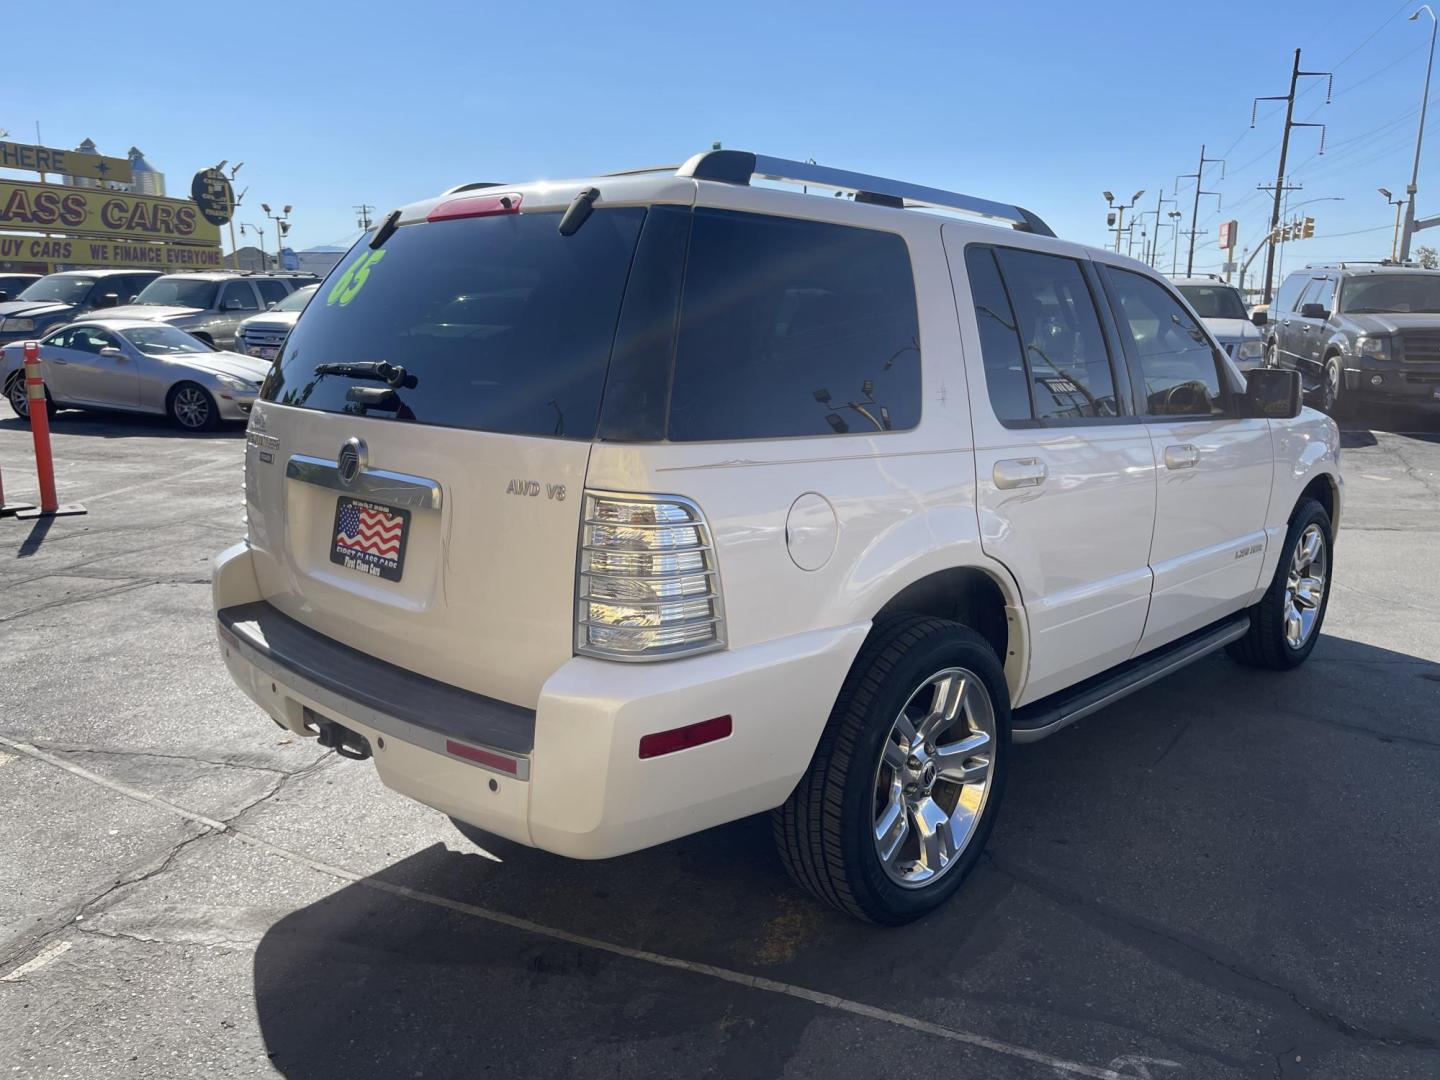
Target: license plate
[(369, 538), (266, 352)]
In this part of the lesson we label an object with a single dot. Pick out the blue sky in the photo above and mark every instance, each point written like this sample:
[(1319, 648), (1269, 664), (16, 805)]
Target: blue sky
[(1045, 104)]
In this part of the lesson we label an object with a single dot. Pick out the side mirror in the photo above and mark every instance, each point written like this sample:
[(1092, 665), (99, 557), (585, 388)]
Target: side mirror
[(112, 352), (1259, 318), (1272, 393), (110, 299), (270, 306), (4, 296), (1314, 311)]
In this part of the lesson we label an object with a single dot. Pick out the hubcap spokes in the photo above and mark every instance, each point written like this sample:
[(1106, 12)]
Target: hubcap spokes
[(1305, 586), (933, 777), (191, 408), (18, 401)]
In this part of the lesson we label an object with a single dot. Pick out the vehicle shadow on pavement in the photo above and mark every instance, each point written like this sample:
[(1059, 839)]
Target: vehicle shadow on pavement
[(121, 426), (1127, 845)]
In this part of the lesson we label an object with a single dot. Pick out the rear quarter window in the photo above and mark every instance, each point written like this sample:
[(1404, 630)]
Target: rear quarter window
[(794, 328)]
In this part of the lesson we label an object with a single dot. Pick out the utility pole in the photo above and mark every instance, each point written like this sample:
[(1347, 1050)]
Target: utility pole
[(1295, 75), (1411, 226), (1160, 201), (362, 214), (1198, 176)]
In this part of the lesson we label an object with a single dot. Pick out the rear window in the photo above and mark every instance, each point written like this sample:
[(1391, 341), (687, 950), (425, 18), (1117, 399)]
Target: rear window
[(501, 324), (792, 327)]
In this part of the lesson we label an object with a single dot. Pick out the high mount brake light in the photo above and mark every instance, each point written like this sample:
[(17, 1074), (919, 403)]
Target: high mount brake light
[(477, 206)]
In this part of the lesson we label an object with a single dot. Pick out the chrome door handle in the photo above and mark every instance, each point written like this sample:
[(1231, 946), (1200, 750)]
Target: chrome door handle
[(1184, 456), (1019, 473)]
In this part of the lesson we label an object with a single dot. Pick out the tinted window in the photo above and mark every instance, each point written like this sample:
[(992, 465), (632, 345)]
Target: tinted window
[(272, 290), (1215, 301), (502, 323), (1177, 362), (89, 339), (1285, 299), (794, 327), (1000, 347), (238, 296), (1069, 364)]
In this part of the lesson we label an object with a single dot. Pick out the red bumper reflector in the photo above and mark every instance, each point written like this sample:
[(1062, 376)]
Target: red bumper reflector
[(682, 738), (476, 206), (483, 757)]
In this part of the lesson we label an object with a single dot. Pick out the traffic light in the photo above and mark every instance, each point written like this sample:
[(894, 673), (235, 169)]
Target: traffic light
[(1309, 229)]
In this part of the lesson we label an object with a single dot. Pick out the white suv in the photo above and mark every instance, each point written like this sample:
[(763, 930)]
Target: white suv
[(602, 512), (1222, 309)]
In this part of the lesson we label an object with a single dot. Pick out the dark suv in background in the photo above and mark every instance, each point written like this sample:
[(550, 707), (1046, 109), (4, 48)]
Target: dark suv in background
[(60, 298), (1359, 332)]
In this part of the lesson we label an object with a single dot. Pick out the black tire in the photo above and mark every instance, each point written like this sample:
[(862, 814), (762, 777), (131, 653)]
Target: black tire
[(1265, 644), (15, 394), (191, 407), (825, 831), (1333, 399)]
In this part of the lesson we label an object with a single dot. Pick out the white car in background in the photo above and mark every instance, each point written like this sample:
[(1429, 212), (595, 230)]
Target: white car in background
[(1222, 309), (264, 335)]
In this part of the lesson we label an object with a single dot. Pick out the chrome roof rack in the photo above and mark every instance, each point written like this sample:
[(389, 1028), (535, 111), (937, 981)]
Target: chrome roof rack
[(739, 166)]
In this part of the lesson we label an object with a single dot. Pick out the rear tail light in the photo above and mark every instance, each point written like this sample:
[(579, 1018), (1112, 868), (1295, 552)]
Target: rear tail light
[(648, 587)]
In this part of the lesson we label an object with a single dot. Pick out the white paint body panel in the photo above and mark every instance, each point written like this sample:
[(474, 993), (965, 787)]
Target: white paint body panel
[(487, 600)]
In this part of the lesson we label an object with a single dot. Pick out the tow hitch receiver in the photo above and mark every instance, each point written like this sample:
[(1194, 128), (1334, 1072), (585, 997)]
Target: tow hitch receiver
[(338, 737)]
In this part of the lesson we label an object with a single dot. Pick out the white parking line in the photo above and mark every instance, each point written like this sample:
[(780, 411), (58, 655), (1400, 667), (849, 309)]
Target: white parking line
[(738, 978), (38, 961)]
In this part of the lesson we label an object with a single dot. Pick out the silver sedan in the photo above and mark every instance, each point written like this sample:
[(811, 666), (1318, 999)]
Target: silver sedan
[(137, 366)]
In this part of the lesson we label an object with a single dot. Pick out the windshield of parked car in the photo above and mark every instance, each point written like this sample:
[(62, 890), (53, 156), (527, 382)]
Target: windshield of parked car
[(179, 292), (1214, 301), (163, 340), (60, 290), (1391, 293), (297, 300)]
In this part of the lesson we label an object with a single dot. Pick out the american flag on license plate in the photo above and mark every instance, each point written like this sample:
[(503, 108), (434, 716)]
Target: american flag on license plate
[(373, 532)]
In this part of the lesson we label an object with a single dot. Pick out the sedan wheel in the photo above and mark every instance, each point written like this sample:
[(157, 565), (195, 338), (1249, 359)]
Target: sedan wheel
[(15, 391), (192, 408)]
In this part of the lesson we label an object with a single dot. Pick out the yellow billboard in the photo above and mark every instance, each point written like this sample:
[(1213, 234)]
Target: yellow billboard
[(140, 255), (43, 159), (29, 207)]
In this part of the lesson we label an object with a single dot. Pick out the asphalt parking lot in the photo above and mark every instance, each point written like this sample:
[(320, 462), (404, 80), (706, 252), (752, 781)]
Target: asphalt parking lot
[(1229, 874)]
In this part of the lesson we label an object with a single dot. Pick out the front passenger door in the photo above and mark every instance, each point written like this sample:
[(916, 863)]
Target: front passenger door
[(1214, 466), (92, 378)]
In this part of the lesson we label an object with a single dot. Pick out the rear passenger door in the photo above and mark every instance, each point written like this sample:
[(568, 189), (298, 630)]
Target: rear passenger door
[(1065, 475), (1310, 336), (1214, 466)]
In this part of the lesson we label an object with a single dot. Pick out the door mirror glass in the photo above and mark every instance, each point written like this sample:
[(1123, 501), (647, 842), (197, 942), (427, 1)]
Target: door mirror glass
[(108, 299), (1314, 311), (1272, 393), (111, 351), (1259, 318)]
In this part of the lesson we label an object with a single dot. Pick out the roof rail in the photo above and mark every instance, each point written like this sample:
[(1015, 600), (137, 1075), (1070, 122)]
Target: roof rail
[(739, 166), (1348, 263)]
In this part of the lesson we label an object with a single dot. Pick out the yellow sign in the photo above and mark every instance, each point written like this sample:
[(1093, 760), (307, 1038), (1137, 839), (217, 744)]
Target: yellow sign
[(43, 159), (138, 255), (27, 207)]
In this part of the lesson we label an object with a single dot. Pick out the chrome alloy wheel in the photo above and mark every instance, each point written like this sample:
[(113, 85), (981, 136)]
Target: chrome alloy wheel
[(933, 777), (192, 407), (1305, 586)]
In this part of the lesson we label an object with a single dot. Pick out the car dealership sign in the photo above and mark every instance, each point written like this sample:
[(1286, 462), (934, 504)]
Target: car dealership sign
[(44, 159), (119, 253), (51, 208)]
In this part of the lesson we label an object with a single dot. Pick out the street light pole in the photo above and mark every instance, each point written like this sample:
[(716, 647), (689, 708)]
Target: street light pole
[(282, 226), (1397, 203), (1419, 136)]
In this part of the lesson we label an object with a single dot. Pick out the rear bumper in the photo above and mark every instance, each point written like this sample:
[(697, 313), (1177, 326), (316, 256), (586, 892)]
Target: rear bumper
[(579, 788)]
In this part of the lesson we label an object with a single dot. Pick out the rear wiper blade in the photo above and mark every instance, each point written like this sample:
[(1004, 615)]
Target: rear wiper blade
[(381, 370)]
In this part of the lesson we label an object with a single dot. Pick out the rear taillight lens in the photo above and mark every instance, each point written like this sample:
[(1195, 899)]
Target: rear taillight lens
[(648, 588)]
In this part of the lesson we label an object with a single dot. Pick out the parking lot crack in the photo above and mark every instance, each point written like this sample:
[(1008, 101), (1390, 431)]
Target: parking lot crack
[(1195, 959), (103, 751), (81, 598)]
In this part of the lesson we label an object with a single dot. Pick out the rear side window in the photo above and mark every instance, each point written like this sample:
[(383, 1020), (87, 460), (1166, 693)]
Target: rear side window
[(1066, 360), (1322, 293), (1005, 376), (500, 323), (792, 328), (272, 290)]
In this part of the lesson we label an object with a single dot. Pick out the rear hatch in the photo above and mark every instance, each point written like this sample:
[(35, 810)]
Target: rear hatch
[(414, 474)]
